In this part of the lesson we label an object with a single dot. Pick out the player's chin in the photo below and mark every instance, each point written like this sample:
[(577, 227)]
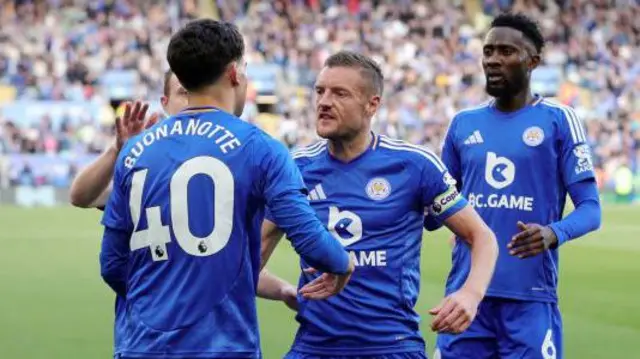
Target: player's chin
[(497, 90), (326, 129)]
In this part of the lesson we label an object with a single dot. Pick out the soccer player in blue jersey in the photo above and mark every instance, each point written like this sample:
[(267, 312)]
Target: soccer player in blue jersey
[(515, 159), (182, 224), (372, 193)]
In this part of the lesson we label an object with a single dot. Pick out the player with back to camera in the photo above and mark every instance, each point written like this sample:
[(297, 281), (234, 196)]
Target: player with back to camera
[(515, 159), (182, 223), (372, 193), (92, 186)]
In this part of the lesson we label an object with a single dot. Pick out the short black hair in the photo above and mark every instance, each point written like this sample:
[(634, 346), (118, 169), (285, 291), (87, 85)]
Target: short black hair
[(364, 63), (199, 52), (523, 23), (167, 81)]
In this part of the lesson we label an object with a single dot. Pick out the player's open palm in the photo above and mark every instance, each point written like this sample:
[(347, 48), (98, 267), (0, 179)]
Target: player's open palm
[(133, 122), (326, 284), (455, 312)]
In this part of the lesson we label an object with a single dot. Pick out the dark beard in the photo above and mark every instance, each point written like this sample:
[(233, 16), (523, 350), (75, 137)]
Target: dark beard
[(510, 87)]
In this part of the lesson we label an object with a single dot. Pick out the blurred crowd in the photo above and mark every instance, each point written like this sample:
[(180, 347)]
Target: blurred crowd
[(60, 50)]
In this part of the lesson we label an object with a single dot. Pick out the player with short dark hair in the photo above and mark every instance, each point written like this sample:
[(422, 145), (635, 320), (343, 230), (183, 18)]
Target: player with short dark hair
[(182, 224), (515, 158), (372, 192)]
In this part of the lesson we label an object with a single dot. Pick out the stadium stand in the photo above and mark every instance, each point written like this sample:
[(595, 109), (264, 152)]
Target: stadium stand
[(66, 68)]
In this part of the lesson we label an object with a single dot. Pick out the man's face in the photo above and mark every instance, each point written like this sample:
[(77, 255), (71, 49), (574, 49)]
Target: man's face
[(344, 103), (176, 99), (508, 57)]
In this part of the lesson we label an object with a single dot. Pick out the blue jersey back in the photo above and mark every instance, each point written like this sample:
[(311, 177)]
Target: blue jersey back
[(191, 191), (516, 167), (374, 205)]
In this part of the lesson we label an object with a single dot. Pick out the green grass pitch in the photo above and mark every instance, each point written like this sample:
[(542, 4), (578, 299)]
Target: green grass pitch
[(54, 304)]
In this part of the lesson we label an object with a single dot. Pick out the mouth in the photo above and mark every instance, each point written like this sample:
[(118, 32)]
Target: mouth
[(495, 78), (323, 116)]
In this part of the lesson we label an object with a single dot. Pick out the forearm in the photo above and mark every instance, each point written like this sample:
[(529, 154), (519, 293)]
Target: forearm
[(585, 218), (271, 235), (308, 236), (484, 253), (89, 187), (271, 287)]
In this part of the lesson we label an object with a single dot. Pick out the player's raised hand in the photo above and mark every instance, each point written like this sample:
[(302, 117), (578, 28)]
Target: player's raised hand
[(131, 123), (326, 284), (455, 312), (532, 240)]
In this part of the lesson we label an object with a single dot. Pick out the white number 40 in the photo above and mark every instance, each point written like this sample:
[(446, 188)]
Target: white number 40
[(157, 235)]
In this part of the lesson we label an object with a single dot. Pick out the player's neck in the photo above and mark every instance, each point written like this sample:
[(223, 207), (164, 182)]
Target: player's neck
[(212, 97), (346, 150), (516, 102)]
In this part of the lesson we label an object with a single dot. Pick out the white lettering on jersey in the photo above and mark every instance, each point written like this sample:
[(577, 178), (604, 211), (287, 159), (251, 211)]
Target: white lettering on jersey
[(346, 227), (583, 153), (506, 201), (225, 139), (499, 171), (370, 258)]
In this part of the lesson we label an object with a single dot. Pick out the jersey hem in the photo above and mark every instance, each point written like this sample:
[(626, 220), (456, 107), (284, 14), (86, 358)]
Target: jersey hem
[(358, 351), (206, 355), (523, 297)]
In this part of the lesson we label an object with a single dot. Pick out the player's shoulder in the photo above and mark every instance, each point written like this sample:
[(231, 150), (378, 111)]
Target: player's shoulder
[(419, 156), (308, 154), (564, 117), (472, 113), (557, 110)]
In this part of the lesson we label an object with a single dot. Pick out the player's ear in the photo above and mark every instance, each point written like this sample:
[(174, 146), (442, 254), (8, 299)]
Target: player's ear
[(534, 61), (232, 74), (373, 105)]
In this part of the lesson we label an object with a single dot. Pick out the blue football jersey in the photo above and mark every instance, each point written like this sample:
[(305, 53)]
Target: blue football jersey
[(191, 191), (375, 206), (516, 167)]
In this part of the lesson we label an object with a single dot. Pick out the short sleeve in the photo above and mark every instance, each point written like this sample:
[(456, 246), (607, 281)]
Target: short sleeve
[(116, 212), (575, 153), (440, 196), (450, 155), (279, 172)]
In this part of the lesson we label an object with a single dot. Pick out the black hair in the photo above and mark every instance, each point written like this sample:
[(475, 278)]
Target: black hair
[(521, 22), (199, 52), (365, 64)]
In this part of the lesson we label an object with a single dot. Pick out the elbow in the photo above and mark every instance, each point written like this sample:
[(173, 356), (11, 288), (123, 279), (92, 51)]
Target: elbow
[(77, 199)]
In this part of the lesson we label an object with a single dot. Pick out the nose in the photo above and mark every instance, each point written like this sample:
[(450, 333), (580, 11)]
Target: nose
[(491, 60), (324, 101)]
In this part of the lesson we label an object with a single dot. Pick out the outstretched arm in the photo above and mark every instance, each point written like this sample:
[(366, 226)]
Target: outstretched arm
[(272, 287), (91, 187)]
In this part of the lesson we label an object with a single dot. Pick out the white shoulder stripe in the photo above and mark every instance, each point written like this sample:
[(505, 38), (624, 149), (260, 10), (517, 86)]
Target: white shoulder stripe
[(313, 153), (575, 125), (309, 151), (403, 146), (308, 148)]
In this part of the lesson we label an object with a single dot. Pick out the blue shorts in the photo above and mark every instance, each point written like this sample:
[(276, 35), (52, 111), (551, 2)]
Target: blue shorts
[(507, 329), (411, 355)]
